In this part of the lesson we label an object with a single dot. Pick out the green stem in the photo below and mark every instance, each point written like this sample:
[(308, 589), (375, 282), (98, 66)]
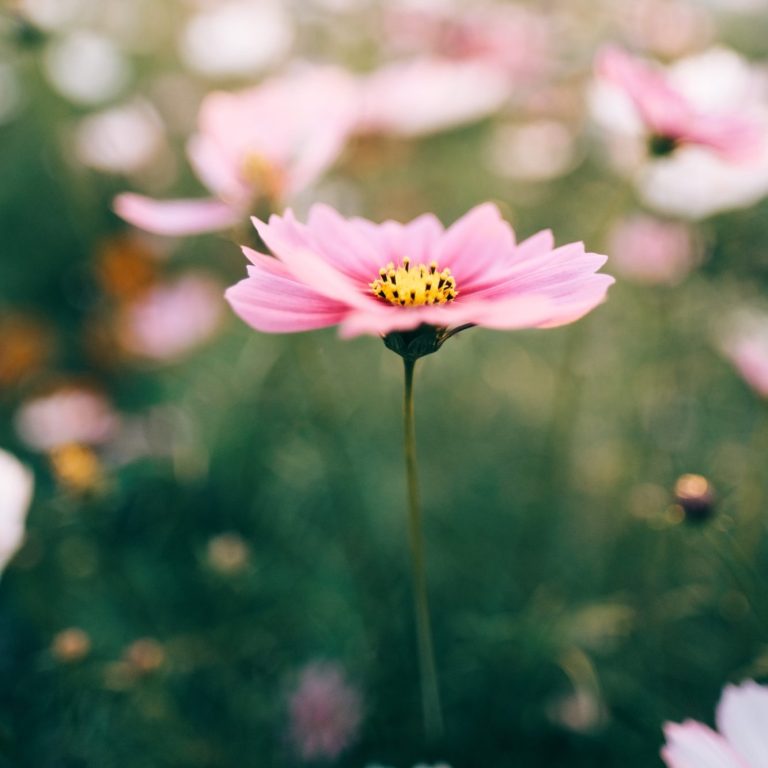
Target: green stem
[(430, 694)]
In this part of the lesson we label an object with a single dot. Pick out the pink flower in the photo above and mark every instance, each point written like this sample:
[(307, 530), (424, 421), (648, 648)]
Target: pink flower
[(67, 415), (269, 142), (670, 118), (426, 95), (742, 741), (379, 278), (325, 712), (745, 344), (170, 320), (653, 251), (511, 38)]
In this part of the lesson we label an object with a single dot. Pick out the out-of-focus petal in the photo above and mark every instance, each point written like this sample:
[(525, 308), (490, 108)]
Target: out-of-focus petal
[(693, 745), (427, 95), (16, 488), (175, 217), (742, 717)]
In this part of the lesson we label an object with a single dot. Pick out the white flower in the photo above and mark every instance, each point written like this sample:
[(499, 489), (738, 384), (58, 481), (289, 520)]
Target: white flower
[(16, 486)]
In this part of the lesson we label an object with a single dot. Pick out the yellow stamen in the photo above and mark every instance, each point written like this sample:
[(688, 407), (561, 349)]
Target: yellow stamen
[(414, 286)]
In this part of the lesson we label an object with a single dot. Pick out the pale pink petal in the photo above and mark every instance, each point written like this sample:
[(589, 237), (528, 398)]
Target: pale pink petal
[(556, 273), (425, 95), (275, 303), (737, 139), (175, 217), (293, 245), (418, 239), (742, 717), (693, 745), (661, 107), (345, 245), (216, 170), (478, 247)]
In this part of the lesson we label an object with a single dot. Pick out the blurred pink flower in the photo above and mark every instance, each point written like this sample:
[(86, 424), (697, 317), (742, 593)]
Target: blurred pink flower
[(509, 37), (325, 712), (745, 344), (170, 320), (16, 487), (67, 415), (426, 95), (670, 118), (269, 142), (742, 741), (652, 251), (378, 278)]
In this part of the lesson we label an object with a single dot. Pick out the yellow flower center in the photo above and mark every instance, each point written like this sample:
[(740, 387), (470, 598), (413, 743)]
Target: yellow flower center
[(414, 286), (264, 175)]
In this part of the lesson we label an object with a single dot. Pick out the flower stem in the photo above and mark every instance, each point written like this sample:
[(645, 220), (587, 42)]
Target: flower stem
[(430, 694)]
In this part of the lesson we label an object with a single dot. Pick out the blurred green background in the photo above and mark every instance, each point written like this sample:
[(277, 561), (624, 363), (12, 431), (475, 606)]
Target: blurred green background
[(261, 523)]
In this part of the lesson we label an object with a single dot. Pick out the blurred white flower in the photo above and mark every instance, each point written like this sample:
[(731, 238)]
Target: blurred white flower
[(240, 37), (123, 139), (170, 320), (68, 415), (86, 68), (16, 488), (535, 151)]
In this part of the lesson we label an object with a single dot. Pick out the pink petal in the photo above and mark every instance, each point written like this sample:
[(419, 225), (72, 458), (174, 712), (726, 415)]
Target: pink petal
[(216, 170), (478, 247), (742, 717), (276, 303), (345, 244), (661, 107), (293, 245), (693, 745), (425, 95), (175, 217), (735, 138)]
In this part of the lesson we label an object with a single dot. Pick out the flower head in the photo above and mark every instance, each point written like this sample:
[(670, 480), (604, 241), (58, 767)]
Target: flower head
[(671, 118), (742, 741), (325, 712), (385, 278), (267, 142)]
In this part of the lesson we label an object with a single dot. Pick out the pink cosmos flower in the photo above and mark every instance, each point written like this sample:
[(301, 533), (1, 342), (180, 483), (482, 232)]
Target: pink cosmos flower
[(269, 142), (671, 118), (172, 319), (381, 278), (426, 95), (325, 712), (742, 741), (653, 251), (509, 37), (68, 415)]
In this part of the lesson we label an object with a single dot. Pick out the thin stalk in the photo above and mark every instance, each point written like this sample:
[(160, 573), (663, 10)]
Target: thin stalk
[(430, 694)]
